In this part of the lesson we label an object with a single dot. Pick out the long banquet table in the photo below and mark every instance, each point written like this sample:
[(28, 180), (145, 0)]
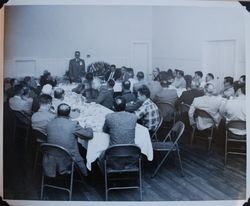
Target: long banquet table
[(93, 115)]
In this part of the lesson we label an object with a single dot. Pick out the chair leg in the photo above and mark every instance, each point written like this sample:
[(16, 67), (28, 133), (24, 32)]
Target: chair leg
[(179, 158), (225, 157), (106, 182), (71, 181), (161, 163), (140, 180), (210, 138), (42, 187), (192, 136), (36, 159)]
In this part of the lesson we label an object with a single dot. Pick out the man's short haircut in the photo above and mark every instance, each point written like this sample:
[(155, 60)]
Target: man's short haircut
[(27, 79), (211, 75), (12, 81), (243, 77), (111, 83), (77, 52), (241, 86), (130, 72), (140, 75), (120, 103), (63, 110), (112, 65), (126, 85), (229, 80), (89, 76), (180, 72), (199, 73), (17, 89), (144, 90), (45, 99), (58, 93)]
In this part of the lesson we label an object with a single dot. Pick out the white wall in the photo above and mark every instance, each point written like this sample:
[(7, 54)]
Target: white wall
[(51, 34), (179, 34)]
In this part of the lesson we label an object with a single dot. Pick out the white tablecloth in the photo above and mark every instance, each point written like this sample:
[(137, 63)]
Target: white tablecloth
[(93, 115)]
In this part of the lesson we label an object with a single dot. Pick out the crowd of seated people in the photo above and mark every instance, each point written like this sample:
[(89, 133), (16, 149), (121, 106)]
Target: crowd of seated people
[(44, 102)]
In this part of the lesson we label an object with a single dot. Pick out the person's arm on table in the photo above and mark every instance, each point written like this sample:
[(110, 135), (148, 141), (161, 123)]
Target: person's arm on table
[(83, 133)]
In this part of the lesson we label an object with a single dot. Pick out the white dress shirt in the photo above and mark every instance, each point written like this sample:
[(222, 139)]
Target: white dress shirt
[(17, 103), (235, 109), (210, 104)]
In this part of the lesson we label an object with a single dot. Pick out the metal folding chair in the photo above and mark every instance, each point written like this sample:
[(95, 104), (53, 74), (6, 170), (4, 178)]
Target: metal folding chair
[(52, 149), (204, 114), (234, 138), (168, 112), (154, 136), (122, 159), (170, 144)]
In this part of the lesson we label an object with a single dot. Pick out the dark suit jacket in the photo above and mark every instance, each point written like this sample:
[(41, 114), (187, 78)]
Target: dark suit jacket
[(128, 96), (187, 97), (105, 98), (107, 74), (64, 132), (76, 70)]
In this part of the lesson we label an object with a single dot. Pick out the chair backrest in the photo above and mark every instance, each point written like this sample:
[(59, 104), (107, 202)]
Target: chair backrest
[(176, 132), (167, 110), (123, 150), (158, 126), (55, 150), (236, 124), (184, 107), (22, 118), (203, 114), (39, 136)]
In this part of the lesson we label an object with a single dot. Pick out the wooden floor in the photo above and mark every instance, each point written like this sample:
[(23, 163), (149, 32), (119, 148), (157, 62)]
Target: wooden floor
[(206, 178)]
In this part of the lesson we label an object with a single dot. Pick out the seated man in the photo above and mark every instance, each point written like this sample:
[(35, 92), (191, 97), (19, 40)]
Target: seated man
[(228, 90), (58, 98), (130, 72), (90, 87), (126, 93), (198, 79), (121, 128), (105, 96), (209, 103), (43, 116), (47, 89), (10, 91), (64, 132), (188, 96), (179, 81), (141, 81), (148, 113), (20, 102), (235, 109), (166, 95)]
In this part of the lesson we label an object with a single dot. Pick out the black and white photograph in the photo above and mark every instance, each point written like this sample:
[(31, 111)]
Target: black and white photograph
[(129, 103)]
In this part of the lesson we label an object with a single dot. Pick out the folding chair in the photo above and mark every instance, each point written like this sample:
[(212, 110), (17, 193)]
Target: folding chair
[(168, 112), (204, 114), (155, 133), (234, 138), (39, 138), (53, 149), (170, 144), (122, 159), (21, 122)]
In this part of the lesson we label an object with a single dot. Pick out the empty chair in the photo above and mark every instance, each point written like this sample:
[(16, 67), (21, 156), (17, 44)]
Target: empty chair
[(52, 151), (232, 137), (203, 114), (122, 160), (170, 144)]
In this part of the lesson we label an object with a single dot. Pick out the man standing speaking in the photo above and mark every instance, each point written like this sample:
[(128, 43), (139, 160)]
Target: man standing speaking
[(76, 68)]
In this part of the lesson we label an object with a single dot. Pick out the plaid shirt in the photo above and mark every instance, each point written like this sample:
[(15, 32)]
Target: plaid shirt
[(148, 113)]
